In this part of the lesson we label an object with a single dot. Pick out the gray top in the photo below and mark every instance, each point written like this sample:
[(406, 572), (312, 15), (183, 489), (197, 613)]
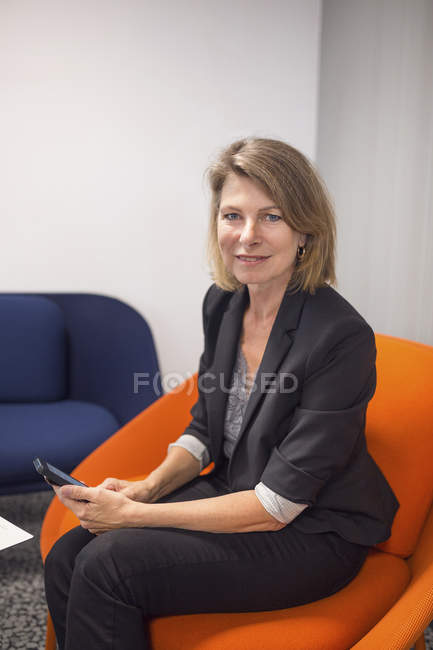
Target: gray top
[(279, 507)]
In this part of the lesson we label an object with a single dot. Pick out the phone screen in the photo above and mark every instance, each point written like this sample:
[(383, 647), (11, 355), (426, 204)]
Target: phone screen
[(66, 477), (54, 475)]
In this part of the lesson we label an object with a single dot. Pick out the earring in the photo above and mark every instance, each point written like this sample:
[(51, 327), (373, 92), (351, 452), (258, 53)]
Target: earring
[(301, 252)]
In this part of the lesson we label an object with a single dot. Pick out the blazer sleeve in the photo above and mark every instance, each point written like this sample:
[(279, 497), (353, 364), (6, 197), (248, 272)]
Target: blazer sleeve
[(340, 379), (198, 427)]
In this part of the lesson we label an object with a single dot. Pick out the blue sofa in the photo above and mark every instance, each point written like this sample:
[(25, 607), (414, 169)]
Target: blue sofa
[(67, 364)]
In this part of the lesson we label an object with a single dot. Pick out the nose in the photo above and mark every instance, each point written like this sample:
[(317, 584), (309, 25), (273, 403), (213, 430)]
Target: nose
[(249, 234)]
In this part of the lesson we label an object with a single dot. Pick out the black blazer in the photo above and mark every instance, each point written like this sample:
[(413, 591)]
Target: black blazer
[(303, 429)]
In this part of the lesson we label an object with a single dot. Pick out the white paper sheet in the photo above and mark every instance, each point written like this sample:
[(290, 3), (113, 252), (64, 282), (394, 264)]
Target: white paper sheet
[(11, 534)]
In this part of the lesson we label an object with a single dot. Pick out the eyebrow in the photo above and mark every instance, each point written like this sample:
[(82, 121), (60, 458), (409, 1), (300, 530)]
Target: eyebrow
[(233, 207)]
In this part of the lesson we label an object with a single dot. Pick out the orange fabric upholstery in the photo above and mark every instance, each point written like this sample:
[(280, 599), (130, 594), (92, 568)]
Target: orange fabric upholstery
[(390, 602), (134, 450), (413, 611), (399, 434), (333, 623)]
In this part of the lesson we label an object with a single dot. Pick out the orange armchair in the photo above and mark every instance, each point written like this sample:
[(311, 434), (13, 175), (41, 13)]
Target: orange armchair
[(389, 603)]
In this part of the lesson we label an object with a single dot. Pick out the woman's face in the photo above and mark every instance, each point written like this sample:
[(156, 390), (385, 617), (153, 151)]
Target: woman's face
[(256, 245)]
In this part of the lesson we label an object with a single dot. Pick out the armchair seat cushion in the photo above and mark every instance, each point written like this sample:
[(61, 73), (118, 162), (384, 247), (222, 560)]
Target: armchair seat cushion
[(26, 431), (332, 623)]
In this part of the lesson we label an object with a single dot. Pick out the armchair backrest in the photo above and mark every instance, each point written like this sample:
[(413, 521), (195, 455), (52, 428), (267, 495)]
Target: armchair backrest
[(33, 363), (399, 433)]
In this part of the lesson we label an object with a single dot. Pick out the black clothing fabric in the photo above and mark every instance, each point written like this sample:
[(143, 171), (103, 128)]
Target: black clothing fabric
[(102, 591), (303, 432), (303, 435)]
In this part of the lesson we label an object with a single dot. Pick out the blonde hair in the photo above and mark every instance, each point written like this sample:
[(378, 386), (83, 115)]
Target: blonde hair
[(297, 188)]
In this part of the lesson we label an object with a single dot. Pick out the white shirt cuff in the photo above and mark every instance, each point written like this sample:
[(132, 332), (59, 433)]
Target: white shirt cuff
[(279, 507), (194, 446)]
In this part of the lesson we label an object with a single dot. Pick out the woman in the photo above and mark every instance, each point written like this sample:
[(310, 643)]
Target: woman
[(284, 381)]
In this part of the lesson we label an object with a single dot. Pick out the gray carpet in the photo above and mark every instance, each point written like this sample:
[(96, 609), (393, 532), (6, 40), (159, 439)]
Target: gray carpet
[(22, 601)]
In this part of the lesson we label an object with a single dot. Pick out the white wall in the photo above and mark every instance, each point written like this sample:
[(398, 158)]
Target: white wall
[(110, 112), (375, 151)]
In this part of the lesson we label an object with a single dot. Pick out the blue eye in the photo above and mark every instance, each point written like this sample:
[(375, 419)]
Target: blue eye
[(273, 217), (233, 216)]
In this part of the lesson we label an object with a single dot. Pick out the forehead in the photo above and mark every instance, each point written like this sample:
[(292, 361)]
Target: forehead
[(243, 189)]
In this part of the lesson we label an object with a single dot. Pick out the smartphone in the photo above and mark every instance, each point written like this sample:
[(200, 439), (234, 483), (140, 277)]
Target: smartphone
[(53, 475)]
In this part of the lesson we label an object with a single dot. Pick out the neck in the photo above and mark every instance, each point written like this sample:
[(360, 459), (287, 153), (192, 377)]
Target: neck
[(264, 304)]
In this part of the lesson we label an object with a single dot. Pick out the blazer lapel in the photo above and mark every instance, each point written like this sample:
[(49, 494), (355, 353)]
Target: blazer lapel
[(276, 350), (224, 360)]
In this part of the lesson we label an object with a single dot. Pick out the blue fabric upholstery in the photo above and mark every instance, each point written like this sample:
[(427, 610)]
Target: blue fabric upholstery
[(108, 342), (32, 350), (61, 432), (67, 364)]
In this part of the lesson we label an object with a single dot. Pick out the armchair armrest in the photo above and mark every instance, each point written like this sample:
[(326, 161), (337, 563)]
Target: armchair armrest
[(135, 450), (407, 619)]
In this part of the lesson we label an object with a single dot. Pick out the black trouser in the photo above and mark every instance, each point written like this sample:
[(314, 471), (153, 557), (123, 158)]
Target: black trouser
[(101, 590)]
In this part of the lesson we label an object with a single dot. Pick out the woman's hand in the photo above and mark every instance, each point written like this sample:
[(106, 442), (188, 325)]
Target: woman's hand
[(98, 509), (135, 490)]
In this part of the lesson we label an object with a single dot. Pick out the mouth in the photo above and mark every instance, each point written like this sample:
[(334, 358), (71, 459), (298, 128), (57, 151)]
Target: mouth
[(252, 260)]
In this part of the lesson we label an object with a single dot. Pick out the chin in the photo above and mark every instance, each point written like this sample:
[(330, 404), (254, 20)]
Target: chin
[(251, 278)]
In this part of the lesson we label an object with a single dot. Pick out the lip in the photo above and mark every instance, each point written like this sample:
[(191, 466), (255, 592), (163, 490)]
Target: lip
[(250, 260)]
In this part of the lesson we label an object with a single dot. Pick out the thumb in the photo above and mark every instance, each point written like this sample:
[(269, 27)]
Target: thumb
[(75, 492)]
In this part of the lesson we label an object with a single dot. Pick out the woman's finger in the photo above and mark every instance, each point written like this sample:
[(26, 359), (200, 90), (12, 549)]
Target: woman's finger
[(91, 529), (77, 493), (110, 484)]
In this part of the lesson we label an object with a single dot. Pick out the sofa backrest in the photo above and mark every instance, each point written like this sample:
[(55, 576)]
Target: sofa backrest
[(399, 433), (33, 363)]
